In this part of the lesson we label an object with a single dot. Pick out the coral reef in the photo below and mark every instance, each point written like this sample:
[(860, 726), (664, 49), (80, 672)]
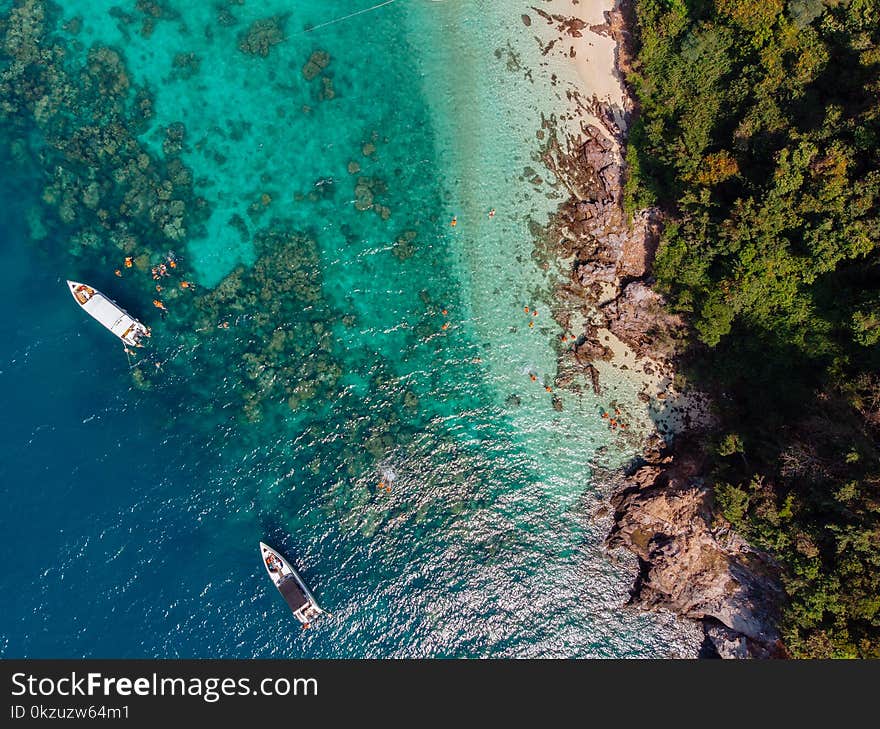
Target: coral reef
[(285, 355), (184, 66), (404, 246), (262, 34), (318, 61), (265, 344), (101, 180), (314, 68), (153, 10), (366, 192), (225, 16)]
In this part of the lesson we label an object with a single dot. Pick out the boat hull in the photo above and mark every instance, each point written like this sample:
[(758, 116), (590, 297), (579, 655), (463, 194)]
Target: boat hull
[(291, 586), (106, 311)]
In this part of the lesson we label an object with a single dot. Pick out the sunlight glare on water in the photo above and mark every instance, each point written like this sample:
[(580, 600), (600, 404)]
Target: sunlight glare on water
[(486, 540)]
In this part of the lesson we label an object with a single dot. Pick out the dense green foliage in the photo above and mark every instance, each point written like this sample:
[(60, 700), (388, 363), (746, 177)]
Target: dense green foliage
[(759, 135)]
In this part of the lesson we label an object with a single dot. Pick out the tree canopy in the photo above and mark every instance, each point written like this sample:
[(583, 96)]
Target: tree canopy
[(758, 134)]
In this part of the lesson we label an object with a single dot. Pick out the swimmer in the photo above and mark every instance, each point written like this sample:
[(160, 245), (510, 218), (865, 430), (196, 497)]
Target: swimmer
[(444, 312), (491, 213), (445, 325), (129, 262), (118, 273), (531, 324), (454, 221)]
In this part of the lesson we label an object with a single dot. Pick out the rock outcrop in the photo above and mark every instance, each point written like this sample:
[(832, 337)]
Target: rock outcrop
[(692, 563), (638, 317), (612, 256)]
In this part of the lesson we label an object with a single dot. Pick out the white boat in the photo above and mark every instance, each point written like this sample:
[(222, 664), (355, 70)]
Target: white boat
[(112, 316), (290, 585)]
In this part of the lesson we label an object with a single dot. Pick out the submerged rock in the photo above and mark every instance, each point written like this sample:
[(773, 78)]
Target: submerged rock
[(225, 15), (185, 66), (363, 196), (318, 61), (327, 90), (262, 34), (411, 400), (404, 247)]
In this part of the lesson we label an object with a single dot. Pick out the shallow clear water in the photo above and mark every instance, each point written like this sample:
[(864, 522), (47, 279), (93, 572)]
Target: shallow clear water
[(135, 512)]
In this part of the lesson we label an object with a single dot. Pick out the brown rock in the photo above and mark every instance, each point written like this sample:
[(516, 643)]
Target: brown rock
[(640, 246), (639, 317), (692, 563), (594, 379)]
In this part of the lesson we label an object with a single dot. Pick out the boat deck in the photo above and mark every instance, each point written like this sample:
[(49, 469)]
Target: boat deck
[(292, 592)]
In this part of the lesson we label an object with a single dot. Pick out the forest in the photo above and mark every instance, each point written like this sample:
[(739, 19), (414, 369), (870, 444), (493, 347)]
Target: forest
[(757, 134)]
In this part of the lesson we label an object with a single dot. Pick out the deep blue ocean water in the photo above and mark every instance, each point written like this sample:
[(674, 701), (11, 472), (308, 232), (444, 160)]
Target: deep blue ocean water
[(340, 333)]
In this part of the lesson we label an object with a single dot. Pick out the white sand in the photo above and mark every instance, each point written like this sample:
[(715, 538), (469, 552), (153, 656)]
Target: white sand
[(594, 53), (668, 409)]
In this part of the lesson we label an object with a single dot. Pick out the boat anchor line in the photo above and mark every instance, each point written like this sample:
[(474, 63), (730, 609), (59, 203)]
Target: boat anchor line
[(350, 15)]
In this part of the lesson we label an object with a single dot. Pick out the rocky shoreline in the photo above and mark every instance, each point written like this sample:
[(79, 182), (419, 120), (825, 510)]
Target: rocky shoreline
[(691, 562)]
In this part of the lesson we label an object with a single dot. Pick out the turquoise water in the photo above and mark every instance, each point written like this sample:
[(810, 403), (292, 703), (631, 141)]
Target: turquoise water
[(339, 333)]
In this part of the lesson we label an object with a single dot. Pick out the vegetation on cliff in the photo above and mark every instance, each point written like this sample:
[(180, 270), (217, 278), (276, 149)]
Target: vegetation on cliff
[(759, 136)]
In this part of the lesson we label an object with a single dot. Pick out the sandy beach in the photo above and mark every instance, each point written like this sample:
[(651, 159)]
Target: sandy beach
[(579, 50), (578, 34)]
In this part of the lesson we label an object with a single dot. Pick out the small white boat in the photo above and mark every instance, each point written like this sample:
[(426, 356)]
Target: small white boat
[(290, 585), (112, 316)]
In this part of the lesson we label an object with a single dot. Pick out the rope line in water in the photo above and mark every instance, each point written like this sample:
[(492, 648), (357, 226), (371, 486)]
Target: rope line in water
[(350, 15)]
